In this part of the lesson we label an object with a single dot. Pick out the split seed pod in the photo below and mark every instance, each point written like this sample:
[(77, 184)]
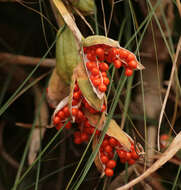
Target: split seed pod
[(99, 52)]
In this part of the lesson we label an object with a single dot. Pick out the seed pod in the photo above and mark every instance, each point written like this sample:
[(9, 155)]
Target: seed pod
[(122, 141), (67, 54), (85, 6), (57, 89), (99, 52)]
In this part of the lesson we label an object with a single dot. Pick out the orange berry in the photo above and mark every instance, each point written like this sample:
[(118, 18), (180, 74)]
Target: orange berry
[(61, 115), (56, 120), (106, 80), (102, 87), (123, 53), (117, 63), (104, 159), (113, 142), (68, 125), (95, 71), (132, 64), (111, 164), (66, 111), (100, 53), (74, 111), (128, 72), (109, 172), (104, 66), (130, 57)]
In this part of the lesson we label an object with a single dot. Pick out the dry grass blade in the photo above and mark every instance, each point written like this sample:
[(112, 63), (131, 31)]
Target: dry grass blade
[(168, 89), (167, 155), (38, 133), (69, 20)]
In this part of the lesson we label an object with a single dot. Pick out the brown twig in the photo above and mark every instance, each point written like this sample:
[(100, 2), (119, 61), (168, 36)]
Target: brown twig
[(25, 60)]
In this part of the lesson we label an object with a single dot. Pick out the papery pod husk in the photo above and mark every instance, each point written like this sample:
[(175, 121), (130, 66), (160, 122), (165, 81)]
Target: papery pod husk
[(98, 39), (96, 120), (113, 131), (67, 54), (86, 88), (57, 89), (61, 104), (97, 161), (85, 6)]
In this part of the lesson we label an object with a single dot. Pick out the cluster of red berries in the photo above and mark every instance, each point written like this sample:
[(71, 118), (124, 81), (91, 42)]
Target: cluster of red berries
[(84, 131), (99, 56), (110, 146)]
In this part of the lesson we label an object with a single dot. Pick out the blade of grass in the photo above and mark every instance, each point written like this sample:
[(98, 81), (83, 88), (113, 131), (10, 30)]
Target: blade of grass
[(176, 178)]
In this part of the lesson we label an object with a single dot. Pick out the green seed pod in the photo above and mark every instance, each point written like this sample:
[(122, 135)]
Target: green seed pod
[(86, 6), (67, 54)]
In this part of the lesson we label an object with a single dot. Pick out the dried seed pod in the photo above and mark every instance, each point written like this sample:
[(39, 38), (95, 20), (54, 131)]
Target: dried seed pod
[(57, 89), (67, 54)]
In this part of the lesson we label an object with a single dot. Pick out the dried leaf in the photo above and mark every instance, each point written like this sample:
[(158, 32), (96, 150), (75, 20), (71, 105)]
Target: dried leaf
[(57, 89)]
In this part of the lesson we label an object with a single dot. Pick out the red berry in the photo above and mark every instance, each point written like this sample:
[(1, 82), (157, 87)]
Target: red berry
[(121, 154), (132, 64), (104, 66), (104, 159), (59, 126), (74, 102), (77, 140), (134, 155), (96, 82), (164, 137), (100, 53), (117, 63), (130, 57), (123, 53), (61, 115), (91, 57), (128, 72), (128, 156), (84, 137), (95, 71), (80, 115), (110, 155), (109, 172), (104, 74), (66, 111), (113, 142), (76, 87), (68, 125), (56, 120), (102, 87), (106, 80), (131, 162), (108, 148), (111, 164), (74, 111), (90, 65), (77, 95), (105, 142)]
